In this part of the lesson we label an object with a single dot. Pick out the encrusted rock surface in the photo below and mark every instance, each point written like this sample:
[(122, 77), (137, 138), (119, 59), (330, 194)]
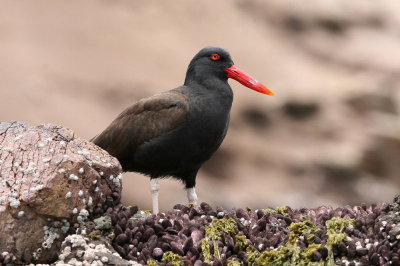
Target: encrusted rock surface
[(50, 182), (80, 250)]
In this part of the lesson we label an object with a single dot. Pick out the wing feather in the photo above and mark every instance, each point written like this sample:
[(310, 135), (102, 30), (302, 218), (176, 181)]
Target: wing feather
[(145, 120)]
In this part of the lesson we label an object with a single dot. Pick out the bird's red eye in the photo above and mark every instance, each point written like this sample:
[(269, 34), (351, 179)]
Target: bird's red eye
[(215, 57)]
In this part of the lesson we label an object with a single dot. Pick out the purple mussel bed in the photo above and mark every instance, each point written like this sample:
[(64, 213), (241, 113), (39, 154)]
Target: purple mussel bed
[(350, 235)]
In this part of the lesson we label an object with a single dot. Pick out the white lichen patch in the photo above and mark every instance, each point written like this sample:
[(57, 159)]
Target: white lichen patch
[(84, 152), (18, 137), (73, 177), (90, 201), (61, 171), (30, 169), (46, 160), (8, 149), (68, 195), (14, 203), (36, 188)]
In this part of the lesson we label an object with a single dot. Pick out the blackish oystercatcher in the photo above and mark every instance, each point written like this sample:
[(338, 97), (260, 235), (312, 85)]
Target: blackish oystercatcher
[(171, 134)]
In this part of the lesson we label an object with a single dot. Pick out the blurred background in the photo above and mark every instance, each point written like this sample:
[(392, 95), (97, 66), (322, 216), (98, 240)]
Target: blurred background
[(331, 135)]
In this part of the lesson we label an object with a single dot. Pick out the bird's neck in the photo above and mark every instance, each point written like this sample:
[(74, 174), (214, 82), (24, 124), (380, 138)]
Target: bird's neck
[(209, 88)]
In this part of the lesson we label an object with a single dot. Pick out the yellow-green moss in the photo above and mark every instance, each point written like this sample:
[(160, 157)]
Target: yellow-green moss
[(241, 242), (216, 250), (191, 205), (205, 249), (286, 255), (212, 233), (251, 255), (279, 210), (334, 230), (302, 229), (337, 224), (282, 210), (233, 263), (309, 251), (173, 258), (269, 210), (228, 226), (151, 263), (291, 253)]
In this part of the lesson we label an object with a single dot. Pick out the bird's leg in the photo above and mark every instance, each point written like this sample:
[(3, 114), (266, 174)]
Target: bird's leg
[(154, 188), (191, 195)]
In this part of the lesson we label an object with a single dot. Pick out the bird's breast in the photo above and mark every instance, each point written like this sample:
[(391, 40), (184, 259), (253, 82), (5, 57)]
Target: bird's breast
[(208, 120)]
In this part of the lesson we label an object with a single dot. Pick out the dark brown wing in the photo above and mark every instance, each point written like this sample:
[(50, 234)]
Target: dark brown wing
[(147, 119)]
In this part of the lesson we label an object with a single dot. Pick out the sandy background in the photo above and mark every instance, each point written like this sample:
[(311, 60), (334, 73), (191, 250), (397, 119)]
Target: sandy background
[(79, 64)]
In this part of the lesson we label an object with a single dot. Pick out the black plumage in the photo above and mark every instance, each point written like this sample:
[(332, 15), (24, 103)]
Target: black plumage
[(173, 133)]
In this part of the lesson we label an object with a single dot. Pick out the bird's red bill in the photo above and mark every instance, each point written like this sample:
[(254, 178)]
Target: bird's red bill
[(248, 81)]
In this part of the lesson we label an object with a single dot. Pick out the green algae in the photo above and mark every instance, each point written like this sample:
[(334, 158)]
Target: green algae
[(287, 255), (171, 257), (251, 255), (234, 263), (241, 242), (305, 228), (228, 226), (283, 210), (205, 249), (291, 253), (337, 224), (334, 230), (151, 263), (214, 233)]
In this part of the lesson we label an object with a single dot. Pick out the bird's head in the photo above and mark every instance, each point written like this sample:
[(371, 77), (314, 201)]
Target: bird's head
[(215, 62)]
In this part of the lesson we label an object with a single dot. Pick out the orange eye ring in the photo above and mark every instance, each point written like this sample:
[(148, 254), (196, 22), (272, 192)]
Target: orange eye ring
[(215, 57)]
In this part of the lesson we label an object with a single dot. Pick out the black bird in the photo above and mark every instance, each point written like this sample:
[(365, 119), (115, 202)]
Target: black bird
[(171, 134)]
